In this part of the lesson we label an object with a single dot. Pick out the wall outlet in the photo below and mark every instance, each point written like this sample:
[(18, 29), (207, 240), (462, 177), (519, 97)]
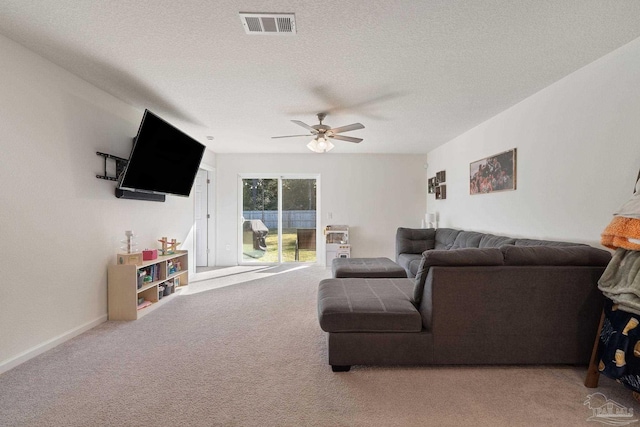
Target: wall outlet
[(329, 215), (228, 247)]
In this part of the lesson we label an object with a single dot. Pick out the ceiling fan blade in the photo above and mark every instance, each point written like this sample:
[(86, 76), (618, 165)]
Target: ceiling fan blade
[(304, 125), (347, 128), (346, 138), (292, 136), (333, 103)]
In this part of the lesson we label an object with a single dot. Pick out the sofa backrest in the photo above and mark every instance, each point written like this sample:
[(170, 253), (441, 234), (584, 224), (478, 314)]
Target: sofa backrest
[(474, 239), (467, 239), (576, 255), (417, 240), (509, 255), (461, 257), (445, 237), (491, 241), (414, 240), (535, 242)]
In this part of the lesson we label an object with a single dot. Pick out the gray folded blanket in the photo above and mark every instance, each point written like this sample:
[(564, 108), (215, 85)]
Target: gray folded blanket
[(620, 281)]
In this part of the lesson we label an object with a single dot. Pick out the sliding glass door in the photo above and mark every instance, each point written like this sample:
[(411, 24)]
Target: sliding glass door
[(259, 222), (299, 227), (279, 219)]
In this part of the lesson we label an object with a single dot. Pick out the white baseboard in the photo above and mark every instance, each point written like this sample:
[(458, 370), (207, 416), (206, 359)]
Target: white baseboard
[(48, 345)]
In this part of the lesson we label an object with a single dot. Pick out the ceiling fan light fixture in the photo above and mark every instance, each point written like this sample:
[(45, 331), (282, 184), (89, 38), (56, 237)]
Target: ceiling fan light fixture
[(320, 145), (323, 134), (330, 146), (313, 146)]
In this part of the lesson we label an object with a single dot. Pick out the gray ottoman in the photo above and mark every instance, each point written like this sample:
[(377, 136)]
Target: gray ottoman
[(367, 305), (366, 267)]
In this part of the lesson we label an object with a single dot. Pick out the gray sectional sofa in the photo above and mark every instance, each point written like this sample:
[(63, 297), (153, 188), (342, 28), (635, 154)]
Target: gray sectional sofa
[(471, 298)]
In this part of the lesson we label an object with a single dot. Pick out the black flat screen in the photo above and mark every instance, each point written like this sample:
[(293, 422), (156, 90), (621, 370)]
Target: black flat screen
[(163, 159)]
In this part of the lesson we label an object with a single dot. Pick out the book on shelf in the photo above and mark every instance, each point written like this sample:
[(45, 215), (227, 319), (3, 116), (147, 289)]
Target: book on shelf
[(144, 304)]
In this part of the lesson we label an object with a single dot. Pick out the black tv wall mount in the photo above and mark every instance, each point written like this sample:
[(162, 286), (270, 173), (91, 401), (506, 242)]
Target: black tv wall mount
[(126, 194), (120, 165)]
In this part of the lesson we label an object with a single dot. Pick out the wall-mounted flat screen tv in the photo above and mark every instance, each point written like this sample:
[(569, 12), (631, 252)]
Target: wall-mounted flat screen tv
[(163, 159)]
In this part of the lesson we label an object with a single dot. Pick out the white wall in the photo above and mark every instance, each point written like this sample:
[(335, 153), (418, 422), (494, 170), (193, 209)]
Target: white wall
[(60, 225), (209, 158), (373, 194), (578, 144)]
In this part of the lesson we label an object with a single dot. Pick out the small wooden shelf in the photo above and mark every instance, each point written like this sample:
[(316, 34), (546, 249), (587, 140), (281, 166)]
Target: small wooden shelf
[(174, 275), (123, 292), (150, 285)]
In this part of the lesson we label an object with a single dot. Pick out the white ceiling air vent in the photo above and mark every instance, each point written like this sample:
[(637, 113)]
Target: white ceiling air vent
[(269, 23)]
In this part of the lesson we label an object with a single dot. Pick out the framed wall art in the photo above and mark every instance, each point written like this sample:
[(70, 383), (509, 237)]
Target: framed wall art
[(432, 185), (436, 185), (494, 173)]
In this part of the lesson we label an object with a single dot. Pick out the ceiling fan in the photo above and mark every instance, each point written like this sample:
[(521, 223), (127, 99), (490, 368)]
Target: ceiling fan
[(323, 134)]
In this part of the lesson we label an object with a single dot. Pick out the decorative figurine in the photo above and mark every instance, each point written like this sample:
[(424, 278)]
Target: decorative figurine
[(129, 243), (130, 256)]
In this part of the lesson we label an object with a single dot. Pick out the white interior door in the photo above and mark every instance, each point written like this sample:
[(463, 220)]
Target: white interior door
[(201, 217)]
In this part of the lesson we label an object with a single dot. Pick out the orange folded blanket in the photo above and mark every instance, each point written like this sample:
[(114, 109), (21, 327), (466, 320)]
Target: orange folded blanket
[(622, 232)]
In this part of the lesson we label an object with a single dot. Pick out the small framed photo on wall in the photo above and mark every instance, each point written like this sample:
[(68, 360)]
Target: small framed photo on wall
[(432, 185)]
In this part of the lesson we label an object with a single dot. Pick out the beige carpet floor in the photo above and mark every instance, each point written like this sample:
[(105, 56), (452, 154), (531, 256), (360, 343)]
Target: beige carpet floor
[(246, 350)]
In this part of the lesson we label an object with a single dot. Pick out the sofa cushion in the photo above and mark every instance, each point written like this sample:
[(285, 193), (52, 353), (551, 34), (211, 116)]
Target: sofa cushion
[(535, 242), (414, 240), (414, 266), (445, 238), (555, 255), (366, 267), (458, 257), (491, 241), (467, 239), (367, 305), (410, 263)]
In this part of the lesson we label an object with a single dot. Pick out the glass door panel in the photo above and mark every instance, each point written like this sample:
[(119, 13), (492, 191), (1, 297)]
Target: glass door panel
[(299, 220), (260, 232)]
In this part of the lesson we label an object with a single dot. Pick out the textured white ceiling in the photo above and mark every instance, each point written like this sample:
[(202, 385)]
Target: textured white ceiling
[(415, 73)]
